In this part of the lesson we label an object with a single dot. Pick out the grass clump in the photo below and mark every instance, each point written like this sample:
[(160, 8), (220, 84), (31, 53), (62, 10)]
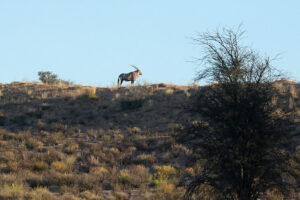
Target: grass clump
[(146, 158), (40, 166), (165, 172), (41, 193), (135, 176), (60, 166), (33, 143), (12, 192), (121, 195)]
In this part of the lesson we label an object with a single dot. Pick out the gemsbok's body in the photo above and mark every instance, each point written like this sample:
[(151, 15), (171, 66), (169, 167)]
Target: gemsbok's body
[(132, 76)]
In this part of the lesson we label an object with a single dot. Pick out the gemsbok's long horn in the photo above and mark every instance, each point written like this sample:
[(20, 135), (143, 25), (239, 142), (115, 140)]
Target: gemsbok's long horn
[(135, 67)]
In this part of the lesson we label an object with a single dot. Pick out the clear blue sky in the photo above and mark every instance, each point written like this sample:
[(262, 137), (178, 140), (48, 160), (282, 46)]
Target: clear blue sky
[(91, 42)]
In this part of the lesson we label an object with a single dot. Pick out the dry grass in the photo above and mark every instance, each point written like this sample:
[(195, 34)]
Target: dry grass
[(75, 142)]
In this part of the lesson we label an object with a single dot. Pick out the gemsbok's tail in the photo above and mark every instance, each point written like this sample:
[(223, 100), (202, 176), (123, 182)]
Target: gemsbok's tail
[(119, 81)]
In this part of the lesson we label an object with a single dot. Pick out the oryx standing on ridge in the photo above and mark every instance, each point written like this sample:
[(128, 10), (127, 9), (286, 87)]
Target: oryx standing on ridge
[(132, 76)]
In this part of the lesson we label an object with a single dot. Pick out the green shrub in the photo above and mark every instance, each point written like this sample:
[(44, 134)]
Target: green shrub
[(48, 77)]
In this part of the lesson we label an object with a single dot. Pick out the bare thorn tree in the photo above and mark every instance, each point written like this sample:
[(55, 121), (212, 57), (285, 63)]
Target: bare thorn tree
[(242, 140)]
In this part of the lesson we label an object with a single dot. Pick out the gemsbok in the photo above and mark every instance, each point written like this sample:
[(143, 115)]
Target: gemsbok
[(132, 76)]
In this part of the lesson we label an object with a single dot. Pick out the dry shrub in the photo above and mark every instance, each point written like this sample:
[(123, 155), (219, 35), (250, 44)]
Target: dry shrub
[(7, 156), (12, 192), (87, 182), (8, 178), (121, 195), (71, 147), (114, 150), (70, 160), (41, 193), (124, 177), (54, 138), (59, 179), (165, 172), (167, 187), (93, 160), (12, 166), (33, 143), (198, 167), (131, 150), (64, 83), (134, 130), (40, 166), (52, 155), (32, 179), (167, 191), (92, 133), (68, 196), (189, 171), (40, 124), (110, 196), (100, 172), (60, 166), (135, 175), (82, 91), (179, 149), (106, 138), (90, 92), (19, 136), (274, 195), (88, 195), (146, 158), (56, 127)]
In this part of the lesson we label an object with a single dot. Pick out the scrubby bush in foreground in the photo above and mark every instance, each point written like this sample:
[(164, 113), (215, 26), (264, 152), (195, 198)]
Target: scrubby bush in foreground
[(242, 140)]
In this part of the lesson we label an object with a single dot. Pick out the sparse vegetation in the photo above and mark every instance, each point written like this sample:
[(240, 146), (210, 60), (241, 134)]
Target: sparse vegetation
[(75, 142)]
